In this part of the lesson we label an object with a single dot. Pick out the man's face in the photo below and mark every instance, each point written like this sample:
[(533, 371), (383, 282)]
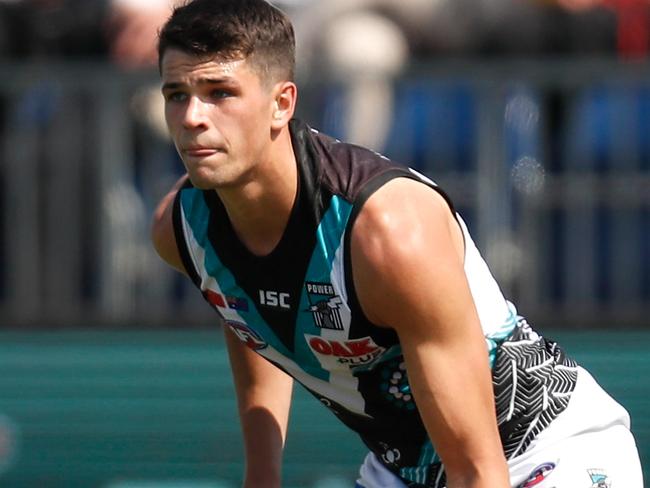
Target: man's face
[(219, 115)]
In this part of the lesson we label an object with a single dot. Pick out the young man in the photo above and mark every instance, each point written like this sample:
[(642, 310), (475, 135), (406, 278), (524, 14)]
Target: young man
[(331, 265)]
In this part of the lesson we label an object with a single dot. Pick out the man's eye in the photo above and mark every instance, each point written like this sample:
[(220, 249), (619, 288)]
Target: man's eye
[(176, 97), (220, 94)]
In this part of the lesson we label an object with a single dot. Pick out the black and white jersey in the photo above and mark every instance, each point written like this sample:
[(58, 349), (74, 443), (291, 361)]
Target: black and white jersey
[(298, 308)]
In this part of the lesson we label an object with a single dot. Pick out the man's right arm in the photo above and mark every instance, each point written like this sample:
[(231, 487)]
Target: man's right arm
[(263, 399), (263, 391)]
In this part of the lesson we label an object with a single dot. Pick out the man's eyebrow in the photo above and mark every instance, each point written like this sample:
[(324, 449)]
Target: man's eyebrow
[(217, 81), (171, 86), (226, 80)]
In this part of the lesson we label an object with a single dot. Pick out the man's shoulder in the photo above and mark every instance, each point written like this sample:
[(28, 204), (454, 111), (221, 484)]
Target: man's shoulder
[(334, 146), (344, 167)]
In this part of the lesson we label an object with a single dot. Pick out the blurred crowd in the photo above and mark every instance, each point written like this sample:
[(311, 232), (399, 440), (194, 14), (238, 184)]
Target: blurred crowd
[(366, 42), (121, 30), (125, 30)]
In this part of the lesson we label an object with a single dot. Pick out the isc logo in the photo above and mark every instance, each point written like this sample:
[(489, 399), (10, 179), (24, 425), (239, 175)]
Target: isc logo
[(271, 298)]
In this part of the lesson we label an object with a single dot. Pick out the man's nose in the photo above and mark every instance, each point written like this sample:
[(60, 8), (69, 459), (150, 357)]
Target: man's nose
[(195, 113)]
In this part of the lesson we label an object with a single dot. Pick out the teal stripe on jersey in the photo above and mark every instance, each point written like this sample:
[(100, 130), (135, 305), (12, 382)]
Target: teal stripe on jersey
[(329, 238), (497, 337), (197, 215), (418, 474), (427, 455)]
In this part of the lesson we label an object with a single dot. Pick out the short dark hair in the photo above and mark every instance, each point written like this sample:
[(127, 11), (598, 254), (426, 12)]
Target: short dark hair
[(233, 29)]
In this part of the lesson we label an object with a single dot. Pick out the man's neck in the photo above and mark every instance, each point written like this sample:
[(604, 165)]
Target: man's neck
[(260, 208)]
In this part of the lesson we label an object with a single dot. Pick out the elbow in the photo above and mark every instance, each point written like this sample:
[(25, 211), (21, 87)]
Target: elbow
[(162, 236), (157, 230)]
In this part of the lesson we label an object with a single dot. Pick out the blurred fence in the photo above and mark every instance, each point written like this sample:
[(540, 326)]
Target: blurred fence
[(549, 162)]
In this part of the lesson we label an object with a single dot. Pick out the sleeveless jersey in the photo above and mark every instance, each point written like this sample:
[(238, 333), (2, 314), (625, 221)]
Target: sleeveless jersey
[(297, 307)]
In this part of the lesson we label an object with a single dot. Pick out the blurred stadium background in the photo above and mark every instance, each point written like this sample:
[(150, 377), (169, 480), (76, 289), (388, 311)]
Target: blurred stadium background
[(535, 116)]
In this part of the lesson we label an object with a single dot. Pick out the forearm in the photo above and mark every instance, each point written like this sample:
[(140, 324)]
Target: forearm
[(263, 444), (458, 410), (264, 416), (263, 400)]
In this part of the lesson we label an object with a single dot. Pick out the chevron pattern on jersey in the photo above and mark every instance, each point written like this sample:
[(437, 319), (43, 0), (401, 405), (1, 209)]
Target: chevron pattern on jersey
[(533, 380)]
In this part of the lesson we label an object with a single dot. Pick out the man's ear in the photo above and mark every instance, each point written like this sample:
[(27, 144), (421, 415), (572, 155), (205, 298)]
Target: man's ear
[(284, 104)]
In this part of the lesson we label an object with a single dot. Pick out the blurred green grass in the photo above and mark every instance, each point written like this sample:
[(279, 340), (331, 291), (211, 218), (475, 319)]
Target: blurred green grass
[(114, 408)]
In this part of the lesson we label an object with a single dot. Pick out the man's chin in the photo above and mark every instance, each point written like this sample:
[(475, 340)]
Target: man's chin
[(202, 184), (211, 182)]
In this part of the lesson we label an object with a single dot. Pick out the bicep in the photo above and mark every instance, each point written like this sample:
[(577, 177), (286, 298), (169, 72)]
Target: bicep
[(407, 242)]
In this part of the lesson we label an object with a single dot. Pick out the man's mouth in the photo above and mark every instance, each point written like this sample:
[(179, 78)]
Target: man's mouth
[(201, 151)]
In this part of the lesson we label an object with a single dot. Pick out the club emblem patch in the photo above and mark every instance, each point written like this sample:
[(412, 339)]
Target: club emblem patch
[(538, 475), (599, 478), (324, 305), (247, 335)]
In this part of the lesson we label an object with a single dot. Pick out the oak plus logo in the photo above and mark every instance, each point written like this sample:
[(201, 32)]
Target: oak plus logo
[(324, 305), (353, 352)]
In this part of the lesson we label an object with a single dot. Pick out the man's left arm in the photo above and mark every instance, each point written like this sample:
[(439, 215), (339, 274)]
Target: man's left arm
[(407, 258)]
